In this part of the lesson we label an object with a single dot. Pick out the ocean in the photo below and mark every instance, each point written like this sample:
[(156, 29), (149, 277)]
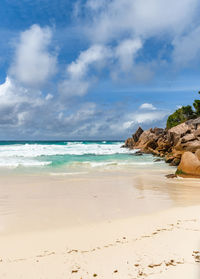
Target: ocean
[(68, 156)]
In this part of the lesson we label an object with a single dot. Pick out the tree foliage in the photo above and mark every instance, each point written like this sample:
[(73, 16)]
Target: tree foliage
[(196, 105), (179, 116), (183, 114)]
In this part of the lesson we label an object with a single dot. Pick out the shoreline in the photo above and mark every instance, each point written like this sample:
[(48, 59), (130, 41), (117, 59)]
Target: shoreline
[(44, 201), (105, 224)]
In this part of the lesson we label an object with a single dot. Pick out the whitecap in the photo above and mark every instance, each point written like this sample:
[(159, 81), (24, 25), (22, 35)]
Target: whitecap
[(16, 162), (72, 148)]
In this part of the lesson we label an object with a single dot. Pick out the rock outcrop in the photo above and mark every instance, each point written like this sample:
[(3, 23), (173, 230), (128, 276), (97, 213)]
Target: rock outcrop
[(189, 165), (131, 142), (170, 144), (137, 134)]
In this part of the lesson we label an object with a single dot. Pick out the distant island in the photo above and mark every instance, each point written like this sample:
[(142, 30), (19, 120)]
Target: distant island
[(178, 143)]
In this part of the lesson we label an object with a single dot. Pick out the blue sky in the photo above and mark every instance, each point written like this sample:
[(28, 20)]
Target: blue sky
[(95, 69)]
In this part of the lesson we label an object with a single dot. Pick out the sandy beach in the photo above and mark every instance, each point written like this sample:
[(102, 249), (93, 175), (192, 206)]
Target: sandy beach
[(102, 224), (99, 139)]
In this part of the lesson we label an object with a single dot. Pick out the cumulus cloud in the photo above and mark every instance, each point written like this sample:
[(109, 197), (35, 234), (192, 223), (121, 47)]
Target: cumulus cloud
[(12, 93), (124, 26), (119, 59), (144, 118), (94, 54), (95, 5), (149, 117), (126, 51), (21, 98), (187, 48), (91, 121), (139, 17), (77, 80), (147, 106), (16, 103), (34, 64), (29, 114), (117, 34)]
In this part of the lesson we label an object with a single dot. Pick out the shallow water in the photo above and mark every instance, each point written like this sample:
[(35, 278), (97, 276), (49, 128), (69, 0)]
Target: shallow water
[(61, 184), (33, 201), (59, 156)]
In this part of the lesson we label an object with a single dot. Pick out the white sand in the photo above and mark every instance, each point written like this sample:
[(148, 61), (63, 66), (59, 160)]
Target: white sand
[(162, 244)]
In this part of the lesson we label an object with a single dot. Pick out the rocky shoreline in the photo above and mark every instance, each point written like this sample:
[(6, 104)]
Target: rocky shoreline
[(179, 146)]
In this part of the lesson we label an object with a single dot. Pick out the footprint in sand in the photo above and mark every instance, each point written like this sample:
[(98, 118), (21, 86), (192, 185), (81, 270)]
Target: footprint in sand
[(196, 255), (72, 251), (154, 265)]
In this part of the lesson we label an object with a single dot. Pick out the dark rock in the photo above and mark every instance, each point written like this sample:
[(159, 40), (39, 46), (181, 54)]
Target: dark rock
[(171, 175), (175, 162), (157, 131), (151, 144), (155, 152), (137, 134), (138, 153), (158, 160), (169, 158)]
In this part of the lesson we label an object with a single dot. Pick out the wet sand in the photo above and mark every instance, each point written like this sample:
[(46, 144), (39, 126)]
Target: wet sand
[(100, 224)]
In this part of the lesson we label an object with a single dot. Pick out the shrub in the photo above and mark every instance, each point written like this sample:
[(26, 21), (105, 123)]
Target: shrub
[(196, 105), (180, 116)]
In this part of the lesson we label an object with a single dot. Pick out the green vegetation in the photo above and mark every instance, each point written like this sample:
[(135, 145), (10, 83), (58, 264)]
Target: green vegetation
[(180, 172), (183, 114), (180, 116), (196, 105)]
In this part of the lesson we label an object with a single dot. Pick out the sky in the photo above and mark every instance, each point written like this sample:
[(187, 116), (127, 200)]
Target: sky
[(95, 69)]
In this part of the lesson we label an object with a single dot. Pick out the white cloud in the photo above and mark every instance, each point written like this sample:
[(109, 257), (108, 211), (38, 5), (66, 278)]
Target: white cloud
[(49, 97), (86, 111), (187, 48), (77, 80), (21, 97), (149, 117), (118, 31), (82, 72), (147, 106), (140, 18), (12, 93), (121, 28), (22, 117), (33, 63), (17, 103), (73, 87), (95, 5), (145, 118), (126, 52), (28, 113), (122, 22), (94, 54)]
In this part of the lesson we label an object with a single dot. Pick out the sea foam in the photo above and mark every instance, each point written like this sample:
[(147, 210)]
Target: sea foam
[(37, 154), (72, 148)]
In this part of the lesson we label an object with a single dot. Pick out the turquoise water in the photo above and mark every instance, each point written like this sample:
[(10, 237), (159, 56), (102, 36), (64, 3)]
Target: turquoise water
[(68, 155)]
